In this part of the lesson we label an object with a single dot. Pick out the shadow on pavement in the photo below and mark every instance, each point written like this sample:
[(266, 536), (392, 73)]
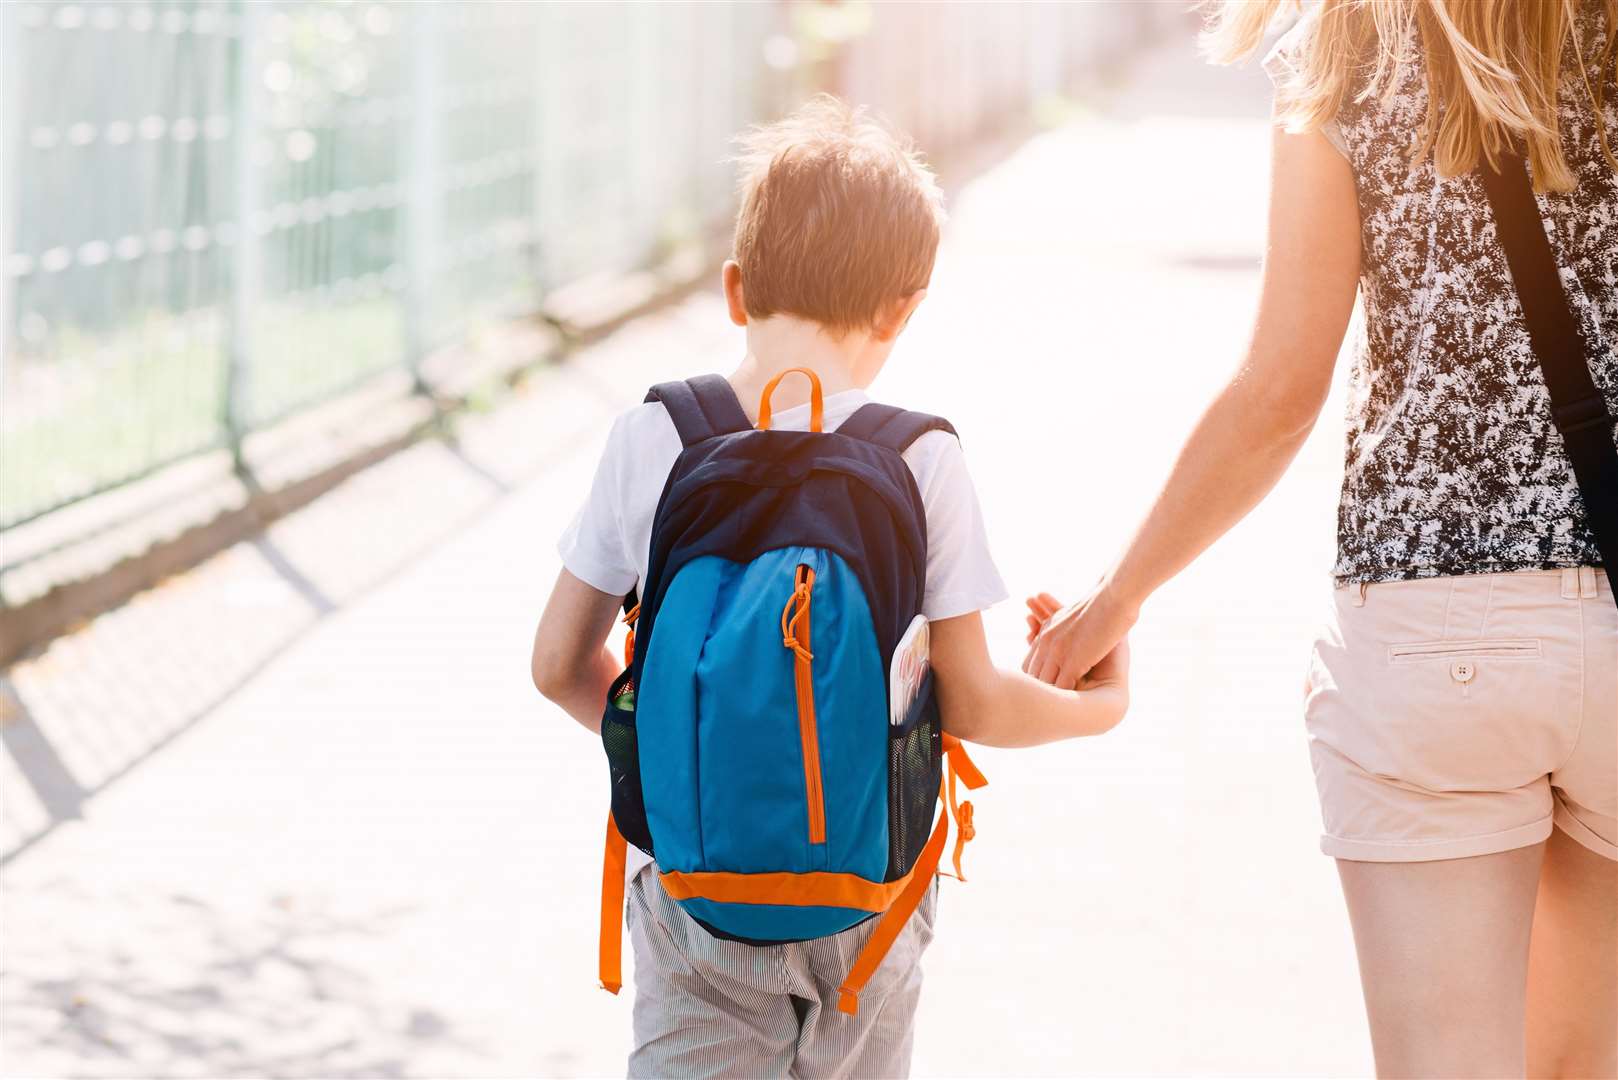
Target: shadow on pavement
[(162, 665), (230, 996)]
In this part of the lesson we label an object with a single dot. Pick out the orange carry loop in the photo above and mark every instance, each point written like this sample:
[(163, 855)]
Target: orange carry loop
[(817, 402), (956, 762)]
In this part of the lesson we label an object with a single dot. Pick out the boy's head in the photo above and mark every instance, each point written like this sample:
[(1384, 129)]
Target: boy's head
[(839, 222)]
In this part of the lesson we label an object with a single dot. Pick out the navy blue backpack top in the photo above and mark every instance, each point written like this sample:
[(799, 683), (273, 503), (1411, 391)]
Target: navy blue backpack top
[(749, 740)]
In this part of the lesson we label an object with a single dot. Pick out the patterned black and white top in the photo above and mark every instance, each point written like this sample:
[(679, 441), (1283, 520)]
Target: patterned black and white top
[(1452, 463)]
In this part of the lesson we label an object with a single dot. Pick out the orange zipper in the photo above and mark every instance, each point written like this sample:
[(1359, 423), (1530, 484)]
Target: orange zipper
[(795, 636)]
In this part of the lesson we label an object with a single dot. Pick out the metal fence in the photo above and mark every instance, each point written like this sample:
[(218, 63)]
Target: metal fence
[(216, 213)]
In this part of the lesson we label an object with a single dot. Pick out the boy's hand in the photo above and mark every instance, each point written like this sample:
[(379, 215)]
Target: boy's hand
[(1074, 639), (1040, 608), (1111, 669), (1110, 674)]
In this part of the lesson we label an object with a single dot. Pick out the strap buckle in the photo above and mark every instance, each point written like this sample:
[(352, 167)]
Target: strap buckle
[(1589, 412)]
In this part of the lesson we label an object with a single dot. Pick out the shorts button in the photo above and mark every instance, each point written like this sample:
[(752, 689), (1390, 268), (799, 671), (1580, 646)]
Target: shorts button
[(1462, 671)]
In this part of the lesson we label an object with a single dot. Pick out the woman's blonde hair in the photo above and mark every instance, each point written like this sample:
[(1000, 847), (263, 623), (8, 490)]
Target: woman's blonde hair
[(1492, 69)]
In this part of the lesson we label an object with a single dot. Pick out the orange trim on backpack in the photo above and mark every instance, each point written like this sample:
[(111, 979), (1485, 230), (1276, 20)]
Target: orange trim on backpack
[(795, 636), (818, 888), (887, 929), (817, 402), (612, 909)]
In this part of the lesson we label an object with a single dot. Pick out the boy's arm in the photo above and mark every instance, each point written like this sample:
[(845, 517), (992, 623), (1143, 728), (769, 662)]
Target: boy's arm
[(571, 664), (997, 707)]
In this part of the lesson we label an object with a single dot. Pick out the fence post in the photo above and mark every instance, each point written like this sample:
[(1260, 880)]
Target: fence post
[(422, 154), (648, 183), (551, 85), (538, 245), (245, 254)]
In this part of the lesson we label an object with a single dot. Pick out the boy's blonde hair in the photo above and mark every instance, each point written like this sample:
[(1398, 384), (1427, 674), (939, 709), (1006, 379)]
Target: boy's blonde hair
[(839, 217), (1492, 69)]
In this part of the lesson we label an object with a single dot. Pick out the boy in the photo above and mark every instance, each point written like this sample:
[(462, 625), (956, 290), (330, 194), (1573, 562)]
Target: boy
[(834, 247)]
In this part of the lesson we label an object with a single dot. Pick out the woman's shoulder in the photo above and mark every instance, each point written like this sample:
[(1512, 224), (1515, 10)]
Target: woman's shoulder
[(1285, 58), (1284, 63)]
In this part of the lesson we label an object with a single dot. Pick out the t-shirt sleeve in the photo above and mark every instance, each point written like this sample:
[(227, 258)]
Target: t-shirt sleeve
[(593, 547), (1283, 63), (961, 575)]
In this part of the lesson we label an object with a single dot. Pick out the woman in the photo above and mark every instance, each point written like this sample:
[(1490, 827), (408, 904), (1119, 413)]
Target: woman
[(1463, 697)]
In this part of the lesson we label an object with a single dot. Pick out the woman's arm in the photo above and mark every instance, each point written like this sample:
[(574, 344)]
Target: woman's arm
[(985, 704), (1253, 429)]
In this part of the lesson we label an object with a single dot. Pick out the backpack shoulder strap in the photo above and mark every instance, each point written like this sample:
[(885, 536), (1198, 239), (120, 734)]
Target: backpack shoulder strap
[(1577, 406), (894, 428), (701, 408)]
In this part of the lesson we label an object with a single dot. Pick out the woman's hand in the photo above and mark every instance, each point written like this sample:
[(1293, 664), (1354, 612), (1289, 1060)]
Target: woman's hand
[(1079, 646)]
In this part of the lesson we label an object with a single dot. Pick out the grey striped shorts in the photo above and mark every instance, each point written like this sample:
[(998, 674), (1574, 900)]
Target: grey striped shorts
[(711, 1008)]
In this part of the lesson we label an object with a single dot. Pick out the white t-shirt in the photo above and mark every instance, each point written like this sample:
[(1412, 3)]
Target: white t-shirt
[(608, 545)]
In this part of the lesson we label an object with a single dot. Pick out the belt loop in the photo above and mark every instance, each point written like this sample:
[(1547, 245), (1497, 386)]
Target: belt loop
[(1587, 582), (1359, 593), (1570, 583)]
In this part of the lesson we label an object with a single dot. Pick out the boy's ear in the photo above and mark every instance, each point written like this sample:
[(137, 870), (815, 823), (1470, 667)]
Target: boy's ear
[(893, 320), (731, 278)]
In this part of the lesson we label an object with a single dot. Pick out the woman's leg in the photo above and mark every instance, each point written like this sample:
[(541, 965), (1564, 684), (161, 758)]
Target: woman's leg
[(1573, 965), (1443, 951)]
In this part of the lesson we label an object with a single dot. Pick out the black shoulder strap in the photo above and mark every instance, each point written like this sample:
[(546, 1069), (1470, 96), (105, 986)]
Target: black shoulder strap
[(894, 428), (1577, 407), (701, 407)]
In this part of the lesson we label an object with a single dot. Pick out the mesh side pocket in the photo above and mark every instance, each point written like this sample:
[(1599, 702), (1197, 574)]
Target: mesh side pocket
[(618, 738), (915, 764)]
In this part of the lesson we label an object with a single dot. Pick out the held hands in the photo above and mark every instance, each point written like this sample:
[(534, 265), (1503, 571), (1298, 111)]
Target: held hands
[(1079, 647)]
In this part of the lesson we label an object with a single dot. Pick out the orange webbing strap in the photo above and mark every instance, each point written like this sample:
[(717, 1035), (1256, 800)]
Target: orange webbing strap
[(962, 766), (970, 774), (630, 618), (888, 927), (612, 910)]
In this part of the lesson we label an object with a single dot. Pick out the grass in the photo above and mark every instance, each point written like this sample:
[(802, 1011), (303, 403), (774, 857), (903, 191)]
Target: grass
[(106, 408)]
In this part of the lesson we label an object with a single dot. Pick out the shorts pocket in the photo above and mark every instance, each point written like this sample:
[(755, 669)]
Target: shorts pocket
[(1443, 716), (1416, 652)]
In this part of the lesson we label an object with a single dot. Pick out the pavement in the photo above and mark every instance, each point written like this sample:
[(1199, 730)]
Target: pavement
[(299, 812)]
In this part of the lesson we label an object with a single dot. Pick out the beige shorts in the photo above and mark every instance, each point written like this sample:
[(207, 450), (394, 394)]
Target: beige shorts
[(1464, 716)]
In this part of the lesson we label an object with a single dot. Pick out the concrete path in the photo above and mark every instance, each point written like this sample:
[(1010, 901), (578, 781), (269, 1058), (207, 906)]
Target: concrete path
[(299, 813)]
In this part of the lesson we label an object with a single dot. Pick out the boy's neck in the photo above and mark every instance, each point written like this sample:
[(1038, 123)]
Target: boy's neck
[(781, 342)]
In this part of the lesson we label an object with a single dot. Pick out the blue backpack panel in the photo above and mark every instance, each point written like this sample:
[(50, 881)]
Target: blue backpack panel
[(749, 740)]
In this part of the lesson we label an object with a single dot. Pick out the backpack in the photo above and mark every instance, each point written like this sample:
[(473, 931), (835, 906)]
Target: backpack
[(749, 740)]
